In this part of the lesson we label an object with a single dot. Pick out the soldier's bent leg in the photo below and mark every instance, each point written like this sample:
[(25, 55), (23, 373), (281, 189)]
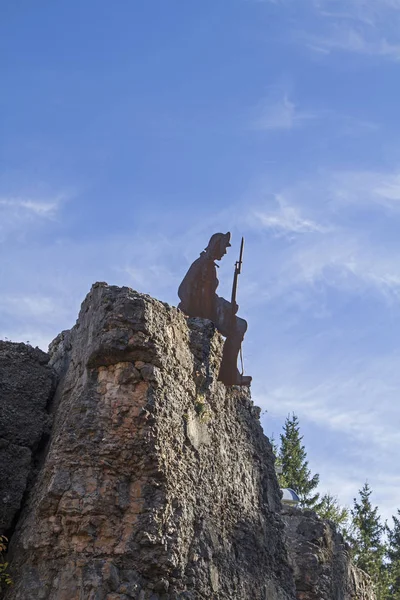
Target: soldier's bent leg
[(229, 373)]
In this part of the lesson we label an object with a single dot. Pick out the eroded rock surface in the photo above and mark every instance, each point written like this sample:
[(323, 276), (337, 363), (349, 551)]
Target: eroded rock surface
[(158, 483), (321, 561), (26, 386)]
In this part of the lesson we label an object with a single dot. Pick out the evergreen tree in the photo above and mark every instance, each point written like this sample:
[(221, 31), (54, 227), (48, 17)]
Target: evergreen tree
[(393, 555), (329, 508), (295, 472), (274, 445), (367, 543)]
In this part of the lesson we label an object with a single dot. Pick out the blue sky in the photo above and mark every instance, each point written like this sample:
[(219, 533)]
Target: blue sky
[(132, 131)]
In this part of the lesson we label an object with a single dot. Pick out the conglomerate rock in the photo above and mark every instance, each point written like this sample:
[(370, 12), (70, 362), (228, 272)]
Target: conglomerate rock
[(158, 482), (26, 386), (321, 560)]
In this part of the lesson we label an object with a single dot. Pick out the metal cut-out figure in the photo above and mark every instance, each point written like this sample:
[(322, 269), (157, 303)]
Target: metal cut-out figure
[(199, 299)]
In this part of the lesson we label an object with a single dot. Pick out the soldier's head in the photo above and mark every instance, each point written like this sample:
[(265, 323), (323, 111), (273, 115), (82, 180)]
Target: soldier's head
[(217, 245)]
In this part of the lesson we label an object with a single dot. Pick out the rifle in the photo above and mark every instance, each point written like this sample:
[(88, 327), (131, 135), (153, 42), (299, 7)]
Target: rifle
[(238, 269)]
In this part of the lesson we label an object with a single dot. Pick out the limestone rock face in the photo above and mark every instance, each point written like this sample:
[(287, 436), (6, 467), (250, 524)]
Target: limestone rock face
[(158, 483), (321, 560), (26, 386)]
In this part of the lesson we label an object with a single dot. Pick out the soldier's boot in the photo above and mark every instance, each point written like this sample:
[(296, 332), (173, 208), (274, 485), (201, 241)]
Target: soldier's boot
[(243, 379), (228, 373)]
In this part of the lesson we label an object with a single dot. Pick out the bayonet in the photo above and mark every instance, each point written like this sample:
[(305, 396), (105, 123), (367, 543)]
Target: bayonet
[(238, 270)]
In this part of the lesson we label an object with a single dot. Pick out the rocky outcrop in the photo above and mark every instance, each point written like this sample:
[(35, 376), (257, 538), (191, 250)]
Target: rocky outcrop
[(158, 483), (26, 387), (321, 561)]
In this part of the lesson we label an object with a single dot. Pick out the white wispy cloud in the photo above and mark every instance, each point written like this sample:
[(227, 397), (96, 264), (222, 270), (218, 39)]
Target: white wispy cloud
[(368, 10), (344, 8), (357, 400), (389, 189), (366, 187), (34, 305), (353, 404), (346, 261), (330, 223), (368, 28), (287, 219), (20, 214), (281, 113), (40, 208), (348, 39)]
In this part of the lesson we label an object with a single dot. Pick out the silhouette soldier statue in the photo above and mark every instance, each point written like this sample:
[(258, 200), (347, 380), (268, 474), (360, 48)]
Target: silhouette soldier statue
[(197, 293)]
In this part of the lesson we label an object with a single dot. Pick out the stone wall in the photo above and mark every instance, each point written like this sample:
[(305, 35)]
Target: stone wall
[(158, 482), (321, 560), (26, 387)]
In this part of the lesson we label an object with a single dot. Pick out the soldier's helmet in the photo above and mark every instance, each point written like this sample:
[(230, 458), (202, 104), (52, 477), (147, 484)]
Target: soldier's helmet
[(218, 238)]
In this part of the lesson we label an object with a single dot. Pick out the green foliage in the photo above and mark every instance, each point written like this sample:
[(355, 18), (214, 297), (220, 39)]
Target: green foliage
[(367, 543), (329, 508), (201, 408), (275, 450), (292, 459), (5, 578), (393, 555)]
